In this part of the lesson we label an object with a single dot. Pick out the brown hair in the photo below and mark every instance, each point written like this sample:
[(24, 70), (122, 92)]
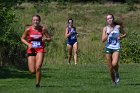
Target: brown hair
[(70, 19)]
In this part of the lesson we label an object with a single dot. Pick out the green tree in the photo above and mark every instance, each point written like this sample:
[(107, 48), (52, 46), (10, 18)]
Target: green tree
[(10, 47)]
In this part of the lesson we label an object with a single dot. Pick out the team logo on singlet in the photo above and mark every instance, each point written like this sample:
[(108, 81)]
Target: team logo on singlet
[(35, 36)]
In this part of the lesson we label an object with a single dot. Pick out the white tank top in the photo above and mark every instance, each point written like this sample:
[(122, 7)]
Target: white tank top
[(112, 40)]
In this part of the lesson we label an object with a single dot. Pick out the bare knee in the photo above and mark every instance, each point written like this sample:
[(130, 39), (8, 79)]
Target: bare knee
[(32, 71), (70, 54), (110, 67), (38, 68), (114, 64), (75, 53)]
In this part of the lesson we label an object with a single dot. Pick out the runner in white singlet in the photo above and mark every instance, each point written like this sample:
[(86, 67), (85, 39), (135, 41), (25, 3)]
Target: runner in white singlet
[(112, 34)]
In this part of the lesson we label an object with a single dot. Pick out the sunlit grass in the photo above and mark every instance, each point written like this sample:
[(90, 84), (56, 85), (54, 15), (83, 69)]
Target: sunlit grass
[(81, 78)]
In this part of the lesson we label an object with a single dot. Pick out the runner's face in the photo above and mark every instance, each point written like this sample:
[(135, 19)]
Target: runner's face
[(109, 19), (70, 23), (35, 21)]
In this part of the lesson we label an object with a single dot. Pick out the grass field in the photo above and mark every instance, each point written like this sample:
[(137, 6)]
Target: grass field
[(81, 78)]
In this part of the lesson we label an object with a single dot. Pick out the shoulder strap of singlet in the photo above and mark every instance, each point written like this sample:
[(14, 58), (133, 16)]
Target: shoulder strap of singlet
[(30, 28), (74, 28), (117, 27), (107, 29)]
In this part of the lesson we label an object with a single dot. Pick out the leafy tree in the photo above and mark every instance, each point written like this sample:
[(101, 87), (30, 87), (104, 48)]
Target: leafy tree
[(10, 40)]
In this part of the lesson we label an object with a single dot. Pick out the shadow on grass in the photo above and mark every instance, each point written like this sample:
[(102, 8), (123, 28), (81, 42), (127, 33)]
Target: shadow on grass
[(100, 72), (51, 86), (8, 73), (134, 84), (59, 86)]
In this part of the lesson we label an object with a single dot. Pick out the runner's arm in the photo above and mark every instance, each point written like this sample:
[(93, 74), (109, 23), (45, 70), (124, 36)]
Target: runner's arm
[(24, 35), (77, 33), (47, 36), (123, 33), (104, 35), (66, 33)]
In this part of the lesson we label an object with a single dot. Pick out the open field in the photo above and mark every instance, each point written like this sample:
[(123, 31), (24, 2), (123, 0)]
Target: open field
[(72, 79)]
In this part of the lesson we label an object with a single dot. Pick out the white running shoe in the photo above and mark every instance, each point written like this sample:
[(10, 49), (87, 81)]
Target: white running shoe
[(117, 77)]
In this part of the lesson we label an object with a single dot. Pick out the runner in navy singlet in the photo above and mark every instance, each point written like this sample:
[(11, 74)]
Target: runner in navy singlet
[(72, 44)]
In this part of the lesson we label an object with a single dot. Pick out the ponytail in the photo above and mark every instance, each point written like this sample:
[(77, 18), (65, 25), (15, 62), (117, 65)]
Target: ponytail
[(119, 22)]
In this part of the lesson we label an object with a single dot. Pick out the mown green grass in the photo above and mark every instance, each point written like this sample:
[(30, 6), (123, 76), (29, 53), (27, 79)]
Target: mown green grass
[(81, 78)]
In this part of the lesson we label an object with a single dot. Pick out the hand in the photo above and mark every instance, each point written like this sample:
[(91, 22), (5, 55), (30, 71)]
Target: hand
[(29, 46), (77, 35), (119, 38), (108, 32), (43, 39)]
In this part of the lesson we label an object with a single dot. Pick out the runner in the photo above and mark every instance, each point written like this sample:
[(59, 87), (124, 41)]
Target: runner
[(112, 34), (36, 44), (72, 44)]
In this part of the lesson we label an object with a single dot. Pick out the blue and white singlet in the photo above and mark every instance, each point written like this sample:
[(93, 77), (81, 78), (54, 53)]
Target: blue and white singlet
[(112, 41)]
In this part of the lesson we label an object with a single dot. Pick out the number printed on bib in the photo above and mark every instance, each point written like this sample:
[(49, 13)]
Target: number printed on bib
[(36, 44)]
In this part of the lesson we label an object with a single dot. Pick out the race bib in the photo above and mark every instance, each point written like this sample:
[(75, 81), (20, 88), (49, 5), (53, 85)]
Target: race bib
[(113, 41), (36, 44)]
